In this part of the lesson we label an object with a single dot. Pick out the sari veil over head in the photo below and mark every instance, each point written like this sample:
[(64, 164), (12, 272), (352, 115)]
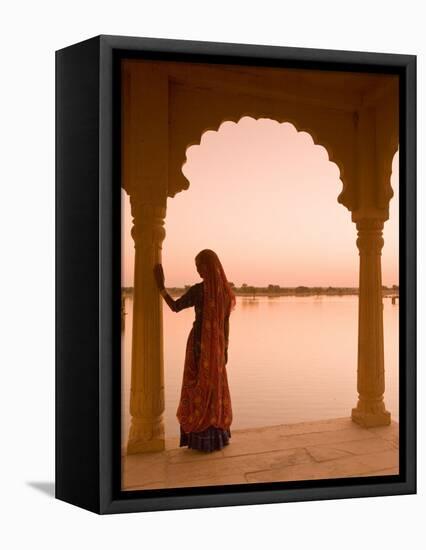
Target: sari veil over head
[(205, 399)]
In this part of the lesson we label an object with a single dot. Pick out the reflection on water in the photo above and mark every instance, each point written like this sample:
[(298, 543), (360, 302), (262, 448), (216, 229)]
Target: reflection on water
[(291, 359)]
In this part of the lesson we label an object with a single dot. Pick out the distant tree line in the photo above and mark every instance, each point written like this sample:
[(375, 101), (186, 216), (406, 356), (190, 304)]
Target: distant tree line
[(274, 289)]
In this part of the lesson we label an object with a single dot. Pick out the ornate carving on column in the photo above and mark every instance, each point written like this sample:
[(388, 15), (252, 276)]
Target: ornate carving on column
[(370, 410), (147, 380)]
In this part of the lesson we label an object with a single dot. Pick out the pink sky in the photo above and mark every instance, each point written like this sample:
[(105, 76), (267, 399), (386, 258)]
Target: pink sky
[(264, 197)]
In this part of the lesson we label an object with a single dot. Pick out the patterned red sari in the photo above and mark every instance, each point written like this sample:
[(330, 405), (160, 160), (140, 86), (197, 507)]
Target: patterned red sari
[(205, 399)]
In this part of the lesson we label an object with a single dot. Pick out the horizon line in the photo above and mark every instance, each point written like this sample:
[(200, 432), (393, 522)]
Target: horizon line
[(390, 287)]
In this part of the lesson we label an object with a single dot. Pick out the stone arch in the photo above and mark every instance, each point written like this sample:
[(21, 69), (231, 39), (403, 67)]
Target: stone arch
[(332, 157), (340, 151)]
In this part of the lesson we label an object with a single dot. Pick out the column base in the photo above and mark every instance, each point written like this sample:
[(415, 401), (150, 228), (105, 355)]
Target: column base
[(370, 419), (150, 446), (146, 436)]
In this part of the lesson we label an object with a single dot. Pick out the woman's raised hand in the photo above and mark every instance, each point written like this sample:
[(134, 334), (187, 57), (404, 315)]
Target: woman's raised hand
[(159, 276)]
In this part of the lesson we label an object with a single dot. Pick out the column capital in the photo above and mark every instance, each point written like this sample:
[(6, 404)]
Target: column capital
[(370, 224), (148, 223), (370, 236)]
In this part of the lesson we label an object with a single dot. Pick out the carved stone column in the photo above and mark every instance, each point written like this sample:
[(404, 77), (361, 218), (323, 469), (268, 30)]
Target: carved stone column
[(147, 381), (370, 410)]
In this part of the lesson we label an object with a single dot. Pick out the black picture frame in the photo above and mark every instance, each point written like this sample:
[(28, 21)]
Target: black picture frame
[(88, 275)]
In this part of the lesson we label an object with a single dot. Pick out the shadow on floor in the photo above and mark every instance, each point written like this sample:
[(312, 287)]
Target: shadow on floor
[(46, 487)]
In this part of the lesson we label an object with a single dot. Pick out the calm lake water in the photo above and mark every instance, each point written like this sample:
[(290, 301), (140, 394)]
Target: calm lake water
[(291, 359)]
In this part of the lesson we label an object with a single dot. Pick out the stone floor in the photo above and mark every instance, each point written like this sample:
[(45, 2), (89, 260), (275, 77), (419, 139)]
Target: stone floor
[(309, 450)]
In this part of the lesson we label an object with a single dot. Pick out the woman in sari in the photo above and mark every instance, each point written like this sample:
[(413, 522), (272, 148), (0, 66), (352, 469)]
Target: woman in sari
[(204, 411)]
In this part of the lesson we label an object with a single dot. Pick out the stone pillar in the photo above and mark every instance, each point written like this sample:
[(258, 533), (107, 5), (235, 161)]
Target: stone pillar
[(370, 410), (147, 381)]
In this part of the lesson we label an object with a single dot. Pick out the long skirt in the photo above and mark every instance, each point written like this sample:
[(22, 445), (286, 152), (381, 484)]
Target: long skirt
[(212, 438)]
